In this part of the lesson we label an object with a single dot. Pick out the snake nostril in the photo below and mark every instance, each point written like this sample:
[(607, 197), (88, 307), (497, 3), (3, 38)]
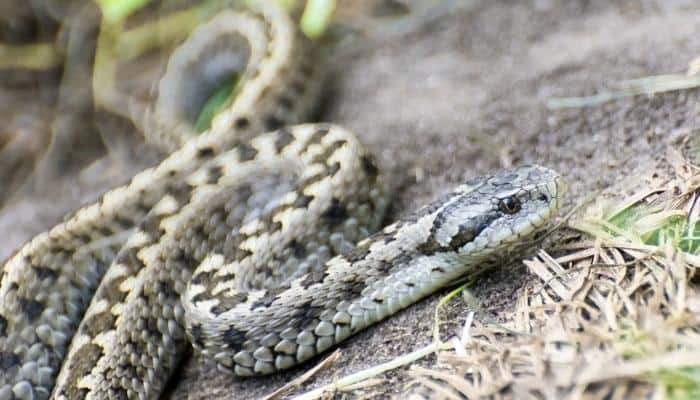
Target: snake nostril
[(542, 197)]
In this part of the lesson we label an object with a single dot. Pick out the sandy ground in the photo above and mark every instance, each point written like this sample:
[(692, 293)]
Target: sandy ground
[(466, 95)]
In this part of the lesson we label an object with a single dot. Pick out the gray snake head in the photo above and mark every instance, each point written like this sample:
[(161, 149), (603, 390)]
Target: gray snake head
[(492, 216)]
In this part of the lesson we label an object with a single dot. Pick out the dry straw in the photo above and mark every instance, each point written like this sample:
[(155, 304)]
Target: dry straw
[(612, 314)]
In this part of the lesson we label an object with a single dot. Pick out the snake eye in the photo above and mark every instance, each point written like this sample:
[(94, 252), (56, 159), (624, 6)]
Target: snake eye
[(509, 205)]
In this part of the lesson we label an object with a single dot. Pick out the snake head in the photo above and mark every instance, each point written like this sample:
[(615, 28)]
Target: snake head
[(496, 214)]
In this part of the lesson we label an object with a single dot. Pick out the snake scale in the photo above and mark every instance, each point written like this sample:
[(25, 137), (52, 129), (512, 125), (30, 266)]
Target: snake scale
[(241, 245)]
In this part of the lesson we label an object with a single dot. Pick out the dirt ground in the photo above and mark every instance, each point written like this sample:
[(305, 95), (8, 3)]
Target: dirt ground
[(455, 98)]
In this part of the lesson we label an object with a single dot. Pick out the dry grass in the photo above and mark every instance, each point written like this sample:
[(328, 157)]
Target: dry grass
[(614, 314)]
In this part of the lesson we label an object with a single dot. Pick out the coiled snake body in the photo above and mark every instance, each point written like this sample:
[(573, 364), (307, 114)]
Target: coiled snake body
[(241, 246)]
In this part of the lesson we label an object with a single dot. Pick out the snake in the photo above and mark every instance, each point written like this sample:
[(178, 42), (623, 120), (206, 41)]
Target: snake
[(260, 251)]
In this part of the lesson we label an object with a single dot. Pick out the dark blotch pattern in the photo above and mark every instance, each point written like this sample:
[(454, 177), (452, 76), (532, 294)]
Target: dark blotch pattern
[(229, 302), (120, 394), (464, 236), (123, 222), (264, 302), (384, 266), (246, 152), (215, 173), (269, 297), (205, 152), (369, 166), (199, 278), (218, 309), (305, 315), (298, 249), (357, 254), (302, 201), (323, 157), (242, 123), (244, 192), (180, 192), (31, 308), (430, 247), (272, 122), (44, 273), (196, 335), (313, 278), (151, 226), (468, 231), (317, 136), (336, 213), (284, 138), (234, 338), (89, 354), (129, 258), (99, 323), (333, 168), (240, 254), (163, 288), (8, 360)]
